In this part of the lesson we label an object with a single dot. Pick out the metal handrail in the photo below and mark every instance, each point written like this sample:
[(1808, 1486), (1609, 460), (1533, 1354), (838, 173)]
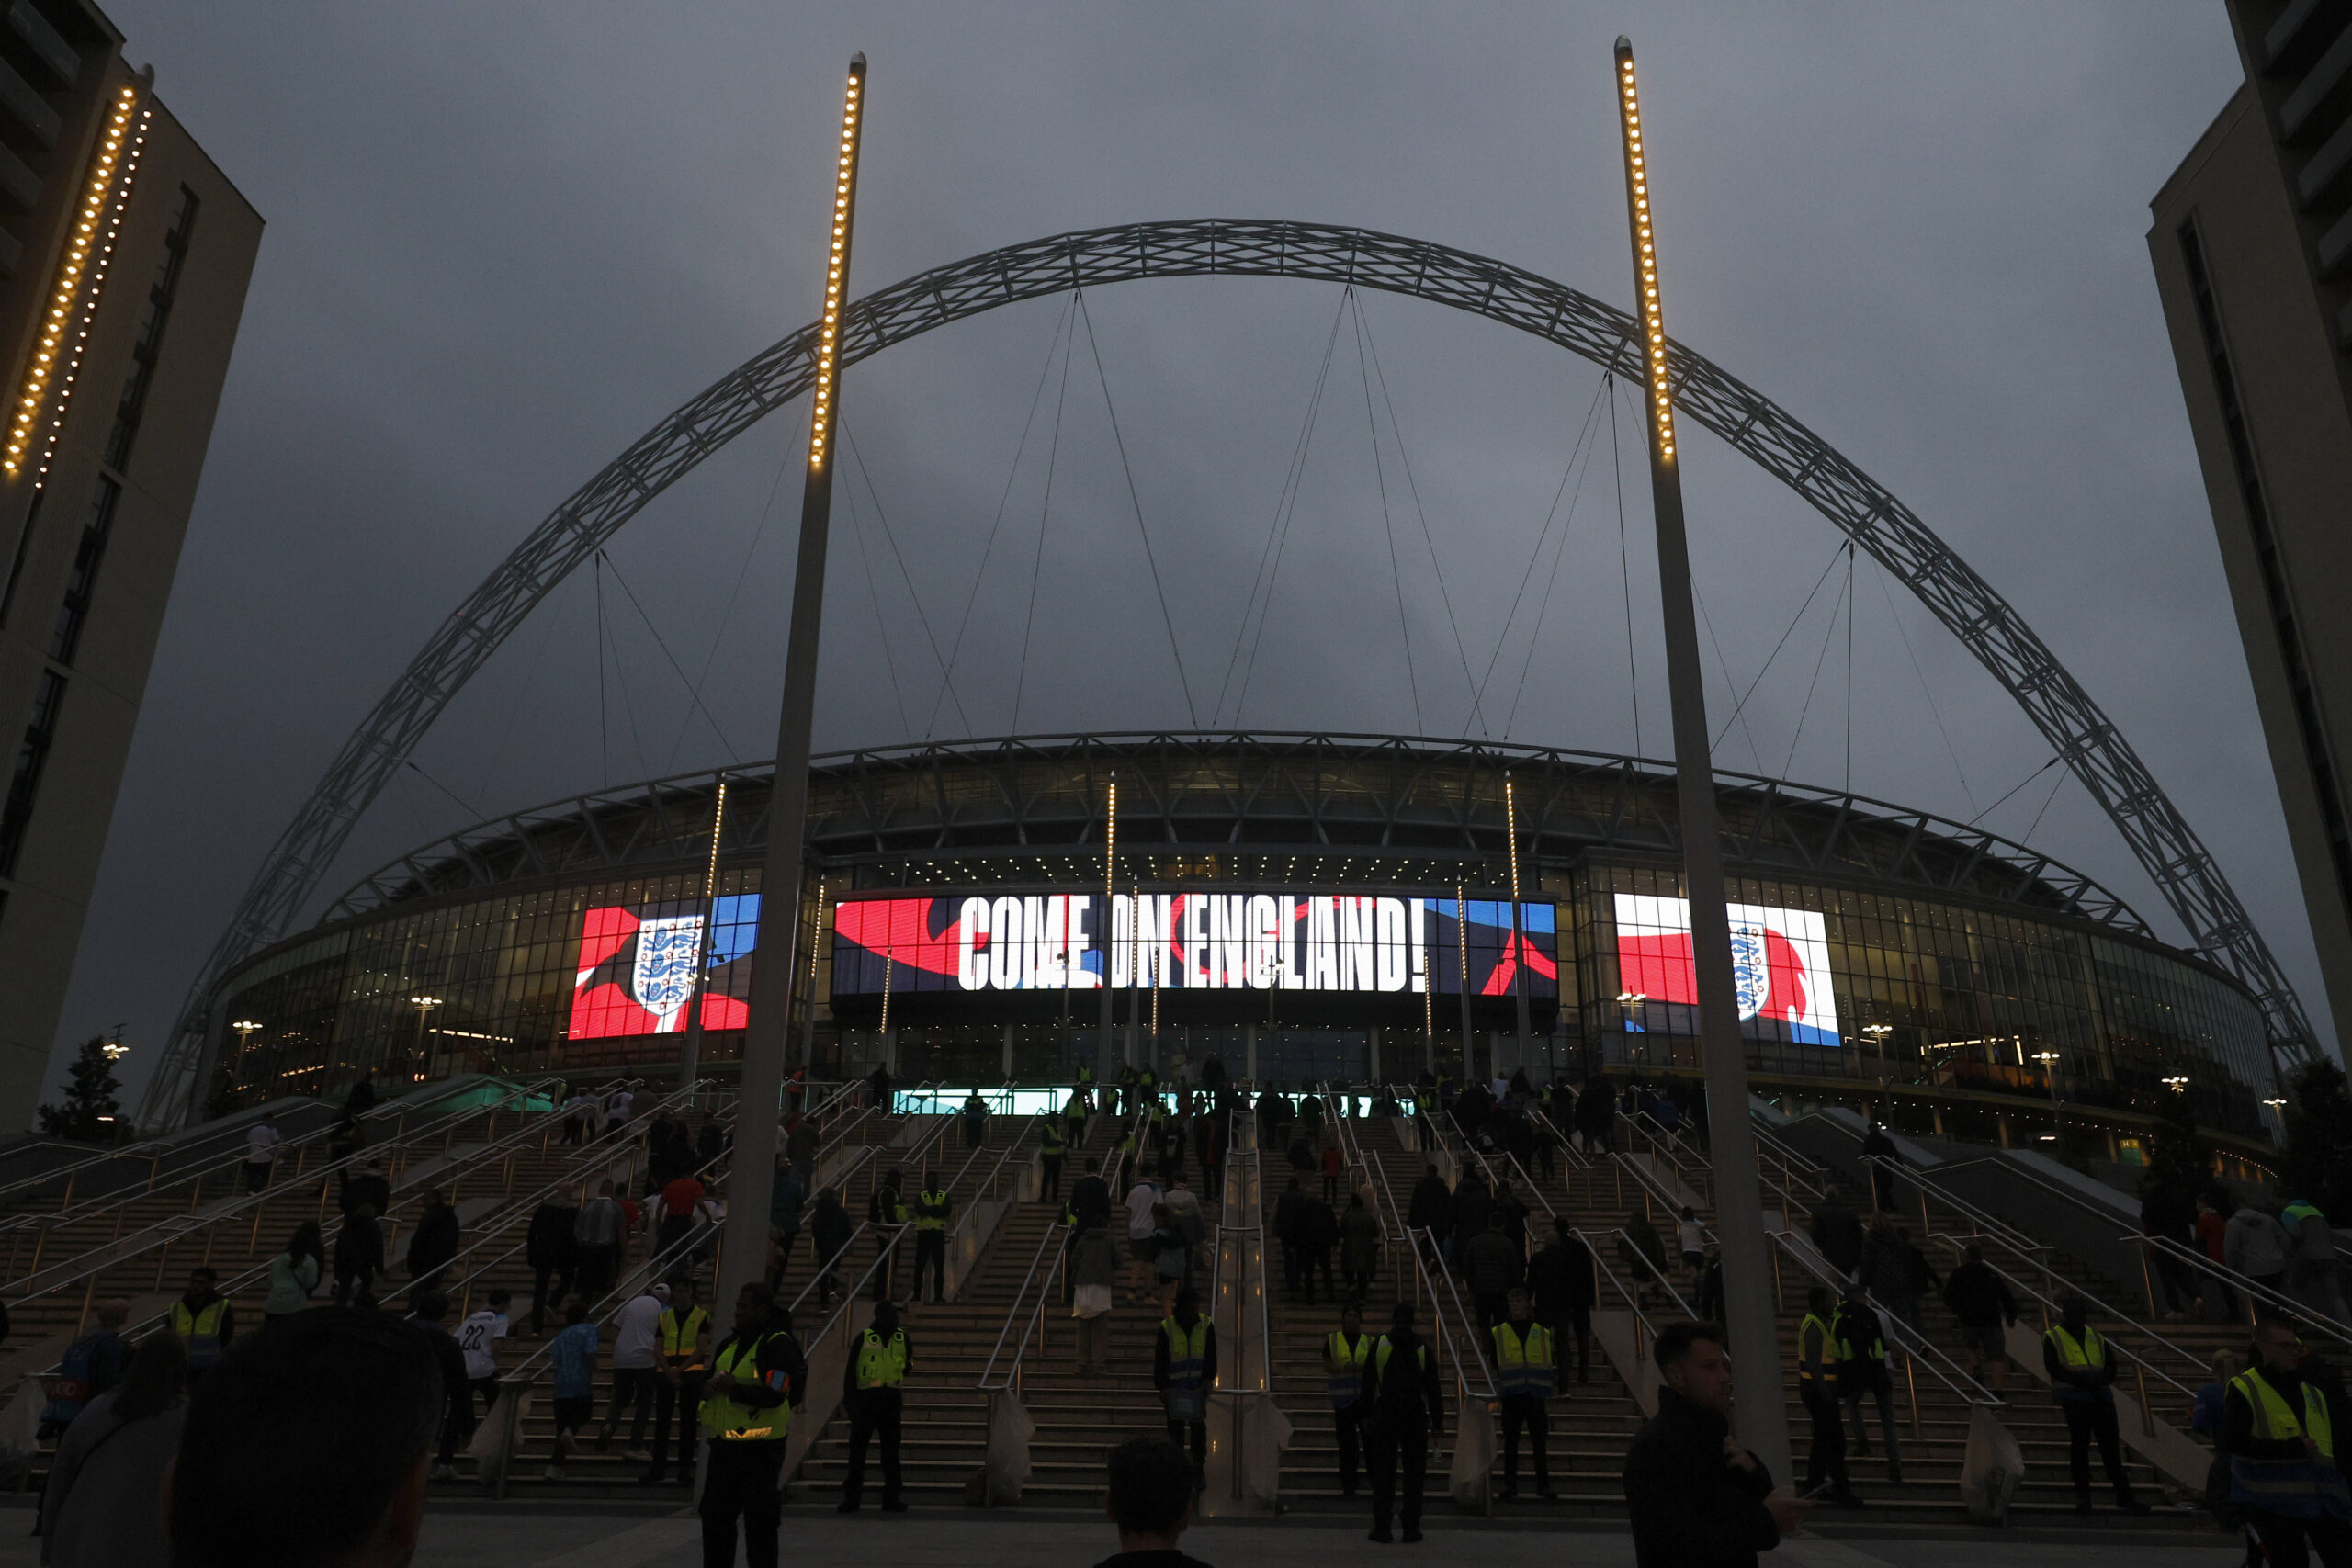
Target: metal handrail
[(1035, 1328), (2051, 1311), (178, 1227), (1916, 1347), (1990, 1223), (2065, 1288), (2252, 1290)]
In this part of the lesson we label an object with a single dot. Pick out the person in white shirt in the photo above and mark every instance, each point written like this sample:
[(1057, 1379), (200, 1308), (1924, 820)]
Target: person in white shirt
[(1142, 1198), (1693, 1236), (637, 1352), (478, 1338), (575, 1119), (621, 1106), (261, 1148)]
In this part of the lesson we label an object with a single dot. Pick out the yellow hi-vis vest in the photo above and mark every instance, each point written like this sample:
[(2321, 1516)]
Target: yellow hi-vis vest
[(683, 1338), (881, 1365), (201, 1330), (2301, 1488), (729, 1422), (1841, 1325), (1187, 1351), (1813, 1324), (1053, 1142), (1344, 1365), (928, 1216), (2076, 1354), (1523, 1366)]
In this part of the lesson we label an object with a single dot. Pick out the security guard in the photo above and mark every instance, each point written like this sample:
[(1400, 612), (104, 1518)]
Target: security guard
[(1129, 1102), (933, 1207), (872, 1388), (1074, 1114), (1053, 1143), (886, 1210), (684, 1330), (204, 1319), (1147, 1081), (1345, 1354), (2279, 1429), (2081, 1376), (1862, 1374), (1825, 1462), (1523, 1374), (1408, 1408), (1183, 1368), (756, 1377)]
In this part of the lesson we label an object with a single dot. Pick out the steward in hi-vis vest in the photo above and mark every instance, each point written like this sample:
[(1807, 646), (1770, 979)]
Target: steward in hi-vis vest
[(1183, 1368), (1862, 1374), (872, 1388), (2081, 1368), (1818, 1359), (932, 1209), (2286, 1460), (1406, 1407), (684, 1333), (756, 1376), (1053, 1145), (1523, 1376), (204, 1319), (1347, 1357)]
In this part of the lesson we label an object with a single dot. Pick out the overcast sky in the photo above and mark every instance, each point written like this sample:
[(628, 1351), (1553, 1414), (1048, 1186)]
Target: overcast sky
[(505, 240)]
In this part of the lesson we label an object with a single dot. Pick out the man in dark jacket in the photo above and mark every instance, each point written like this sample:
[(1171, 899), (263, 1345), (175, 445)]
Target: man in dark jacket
[(1473, 1206), (1880, 1153), (1561, 1275), (1318, 1231), (1405, 1409), (431, 1245), (1287, 1209), (1495, 1266), (1697, 1498), (551, 1247), (1433, 1209), (830, 1229), (1986, 1309), (1838, 1234), (369, 1186)]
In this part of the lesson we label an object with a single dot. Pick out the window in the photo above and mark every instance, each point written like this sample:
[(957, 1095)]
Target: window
[(134, 401), (79, 587)]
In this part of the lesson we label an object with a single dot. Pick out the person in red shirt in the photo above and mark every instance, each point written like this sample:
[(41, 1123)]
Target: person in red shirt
[(2210, 1230), (678, 1200)]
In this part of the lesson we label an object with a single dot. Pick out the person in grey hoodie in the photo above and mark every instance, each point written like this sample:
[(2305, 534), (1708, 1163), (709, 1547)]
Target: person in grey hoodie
[(2256, 1246)]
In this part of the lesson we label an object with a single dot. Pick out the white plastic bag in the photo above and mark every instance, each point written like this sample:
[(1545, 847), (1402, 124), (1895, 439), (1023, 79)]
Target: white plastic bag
[(1990, 1469)]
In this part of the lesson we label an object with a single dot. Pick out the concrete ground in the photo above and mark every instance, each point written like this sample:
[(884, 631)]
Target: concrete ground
[(503, 1538)]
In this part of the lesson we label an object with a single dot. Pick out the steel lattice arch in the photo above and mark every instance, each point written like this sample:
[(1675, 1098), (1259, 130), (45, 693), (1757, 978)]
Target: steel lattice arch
[(2167, 847)]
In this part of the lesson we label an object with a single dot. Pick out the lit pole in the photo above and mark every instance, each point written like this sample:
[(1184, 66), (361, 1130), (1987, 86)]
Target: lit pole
[(1104, 1071), (749, 1188), (1762, 1417), (2049, 1060), (424, 1006), (703, 946)]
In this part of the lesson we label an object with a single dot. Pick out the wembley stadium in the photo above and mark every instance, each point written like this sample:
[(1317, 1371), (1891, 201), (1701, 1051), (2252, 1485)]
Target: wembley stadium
[(1305, 907)]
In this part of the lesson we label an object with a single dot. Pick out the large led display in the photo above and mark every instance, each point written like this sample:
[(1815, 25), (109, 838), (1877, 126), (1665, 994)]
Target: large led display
[(636, 969), (1287, 941), (1779, 964)]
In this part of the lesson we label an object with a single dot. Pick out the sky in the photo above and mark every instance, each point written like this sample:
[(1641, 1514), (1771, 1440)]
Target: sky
[(506, 239)]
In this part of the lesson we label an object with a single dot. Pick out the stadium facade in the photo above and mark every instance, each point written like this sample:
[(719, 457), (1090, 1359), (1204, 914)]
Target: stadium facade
[(1306, 907)]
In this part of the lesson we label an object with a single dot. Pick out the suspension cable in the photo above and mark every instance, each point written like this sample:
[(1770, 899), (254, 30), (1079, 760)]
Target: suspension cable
[(2018, 785), (1925, 690), (1827, 633), (1853, 613), (963, 624), (1755, 752), (1625, 570), (1136, 502), (620, 679), (1535, 557), (890, 533), (694, 696), (1741, 706), (734, 592), (1045, 514), (1405, 461), (1380, 477), (873, 597), (603, 741), (1277, 534), (2055, 785)]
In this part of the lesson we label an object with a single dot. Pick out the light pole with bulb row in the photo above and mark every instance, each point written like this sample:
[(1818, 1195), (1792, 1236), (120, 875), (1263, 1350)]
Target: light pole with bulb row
[(424, 1006)]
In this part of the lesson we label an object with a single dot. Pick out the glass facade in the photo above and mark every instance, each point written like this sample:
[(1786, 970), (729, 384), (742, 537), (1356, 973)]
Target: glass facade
[(1902, 962)]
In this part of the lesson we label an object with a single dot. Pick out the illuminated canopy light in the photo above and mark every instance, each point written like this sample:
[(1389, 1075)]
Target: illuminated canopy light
[(111, 157), (821, 418), (1645, 254)]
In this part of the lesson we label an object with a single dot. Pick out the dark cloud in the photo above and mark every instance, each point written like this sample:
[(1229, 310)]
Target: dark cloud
[(505, 240)]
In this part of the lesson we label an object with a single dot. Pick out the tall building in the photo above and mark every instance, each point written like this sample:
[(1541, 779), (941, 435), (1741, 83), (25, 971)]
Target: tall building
[(2252, 250), (124, 256)]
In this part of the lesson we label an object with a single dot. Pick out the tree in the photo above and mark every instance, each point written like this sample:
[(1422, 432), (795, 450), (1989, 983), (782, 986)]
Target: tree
[(2177, 1157), (90, 1110), (2319, 1139)]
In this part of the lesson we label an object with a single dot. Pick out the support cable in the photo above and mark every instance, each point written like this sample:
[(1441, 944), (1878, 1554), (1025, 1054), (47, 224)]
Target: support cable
[(1829, 633), (873, 597), (694, 696), (1136, 502), (890, 533), (1535, 559), (1397, 432), (1755, 752), (963, 624), (1387, 523), (1045, 514), (470, 808), (1741, 706), (603, 741), (734, 592), (1853, 613), (620, 680), (2055, 785), (1278, 533), (1925, 690), (514, 709), (2018, 785)]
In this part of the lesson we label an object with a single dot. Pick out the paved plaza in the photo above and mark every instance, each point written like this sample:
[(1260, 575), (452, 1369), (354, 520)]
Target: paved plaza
[(580, 1538)]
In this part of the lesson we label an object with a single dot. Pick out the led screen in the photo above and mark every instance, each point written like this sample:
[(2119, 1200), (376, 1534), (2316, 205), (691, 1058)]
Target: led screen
[(1288, 941), (636, 969), (1779, 963)]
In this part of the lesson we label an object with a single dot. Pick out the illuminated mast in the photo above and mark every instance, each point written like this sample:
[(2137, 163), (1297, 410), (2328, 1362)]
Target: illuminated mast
[(744, 1253), (1762, 1417)]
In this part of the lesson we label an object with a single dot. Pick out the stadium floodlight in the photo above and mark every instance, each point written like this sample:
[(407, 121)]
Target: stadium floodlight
[(768, 1029), (1748, 1300)]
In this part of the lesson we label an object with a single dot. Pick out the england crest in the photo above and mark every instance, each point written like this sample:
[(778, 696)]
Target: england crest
[(1751, 973), (669, 949)]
